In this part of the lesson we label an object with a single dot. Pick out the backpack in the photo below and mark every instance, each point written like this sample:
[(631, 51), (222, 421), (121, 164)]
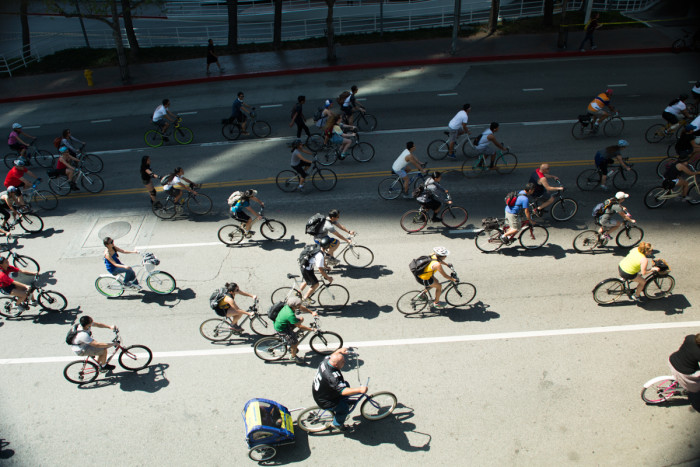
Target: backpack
[(417, 191), (166, 179), (343, 96), (57, 142), (314, 224), (235, 196), (511, 199), (601, 208), (275, 310), (307, 253), (418, 265), (216, 297), (319, 114), (72, 332)]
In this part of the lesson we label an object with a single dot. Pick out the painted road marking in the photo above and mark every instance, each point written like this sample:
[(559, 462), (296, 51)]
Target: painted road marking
[(31, 127), (177, 245), (403, 342), (447, 94), (621, 85), (188, 113), (461, 231), (106, 120), (270, 106), (533, 89)]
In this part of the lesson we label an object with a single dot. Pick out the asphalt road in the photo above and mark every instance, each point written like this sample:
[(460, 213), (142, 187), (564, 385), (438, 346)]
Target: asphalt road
[(533, 372)]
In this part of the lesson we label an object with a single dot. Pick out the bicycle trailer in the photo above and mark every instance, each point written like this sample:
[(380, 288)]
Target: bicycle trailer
[(267, 424)]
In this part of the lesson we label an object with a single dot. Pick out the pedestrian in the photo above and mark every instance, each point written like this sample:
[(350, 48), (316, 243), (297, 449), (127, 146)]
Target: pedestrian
[(147, 176), (590, 29), (212, 57), (298, 117)]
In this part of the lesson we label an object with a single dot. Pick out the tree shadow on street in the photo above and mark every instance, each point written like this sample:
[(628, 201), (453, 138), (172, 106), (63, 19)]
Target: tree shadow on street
[(151, 379)]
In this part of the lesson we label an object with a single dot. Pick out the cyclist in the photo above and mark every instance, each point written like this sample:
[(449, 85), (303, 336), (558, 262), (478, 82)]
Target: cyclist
[(514, 214), (16, 143), (543, 190), (325, 113), (334, 133), (147, 176), (9, 199), (299, 163), (457, 127), (287, 323), (350, 104), (685, 363), (608, 222), (399, 166), (317, 261), (17, 175), (674, 112), (175, 186), (68, 140), (239, 111), (635, 266), (610, 155), (84, 344), (114, 266), (64, 167), (331, 391), (9, 286), (239, 207), (673, 176), (488, 137), (330, 226), (427, 279), (298, 117), (433, 195), (227, 306), (162, 117), (687, 144), (600, 108)]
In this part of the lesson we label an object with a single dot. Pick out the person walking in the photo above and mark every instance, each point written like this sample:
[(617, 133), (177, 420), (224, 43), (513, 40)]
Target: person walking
[(212, 57), (592, 25), (298, 117)]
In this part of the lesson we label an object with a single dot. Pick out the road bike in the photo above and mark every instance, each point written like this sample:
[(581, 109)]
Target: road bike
[(271, 229), (657, 197), (584, 126), (197, 203), (231, 127), (19, 261), (155, 138), (490, 237), (662, 389), (360, 151), (660, 131), (451, 216), (629, 236), (42, 157), (561, 210), (30, 222), (622, 179), (47, 300), (221, 329), (659, 284), (331, 297), (160, 282), (132, 358), (323, 179), (456, 294), (41, 199), (439, 148), (92, 163), (356, 256), (504, 163), (276, 347), (392, 187), (59, 183), (364, 121), (667, 162)]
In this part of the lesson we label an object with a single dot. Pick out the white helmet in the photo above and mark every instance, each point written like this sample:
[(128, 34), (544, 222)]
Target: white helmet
[(16, 126), (441, 251)]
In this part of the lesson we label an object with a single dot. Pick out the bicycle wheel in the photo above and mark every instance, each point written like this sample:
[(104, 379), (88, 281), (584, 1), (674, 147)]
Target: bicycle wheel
[(262, 452), (287, 180), (9, 308), (586, 241), (588, 180), (270, 348), (59, 185), (656, 133), (325, 343), (92, 163), (333, 297), (315, 419), (26, 263), (230, 234), (44, 158), (564, 209), (92, 182), (135, 357), (578, 131), (165, 210), (42, 199), (31, 223), (506, 163), (262, 326), (390, 188), (281, 294), (488, 240), (454, 216), (153, 138), (659, 287), (272, 229), (664, 164), (327, 157), (694, 195), (379, 405), (414, 220), (357, 256), (678, 46), (365, 121), (81, 371), (109, 286), (413, 302), (10, 159), (460, 294), (629, 237), (183, 135), (661, 391), (362, 152), (314, 142), (199, 204), (614, 126), (625, 179), (438, 149), (324, 179), (653, 200), (261, 129), (473, 168), (52, 301), (215, 329), (231, 131), (161, 282), (608, 291), (533, 237)]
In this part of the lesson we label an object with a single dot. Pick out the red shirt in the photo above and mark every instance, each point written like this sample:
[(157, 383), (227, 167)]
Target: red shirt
[(5, 280), (14, 175)]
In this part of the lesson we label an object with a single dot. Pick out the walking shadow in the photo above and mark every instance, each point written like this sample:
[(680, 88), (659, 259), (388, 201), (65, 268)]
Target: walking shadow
[(151, 379)]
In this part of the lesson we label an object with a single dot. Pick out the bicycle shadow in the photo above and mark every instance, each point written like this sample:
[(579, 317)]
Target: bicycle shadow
[(236, 339), (671, 305), (371, 272), (5, 452), (292, 453), (549, 249), (477, 311), (47, 278), (289, 244), (359, 309), (692, 399), (46, 233), (67, 316), (148, 297), (151, 379)]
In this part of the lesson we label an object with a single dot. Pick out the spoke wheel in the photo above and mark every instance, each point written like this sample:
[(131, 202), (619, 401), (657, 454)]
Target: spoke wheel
[(287, 180), (161, 282), (488, 240), (461, 294), (272, 229), (199, 204), (325, 343), (43, 158), (656, 133), (10, 159), (578, 131), (231, 131), (652, 199), (608, 291), (362, 152), (333, 297), (625, 179), (390, 188), (183, 135), (281, 294), (8, 307), (262, 452), (564, 209), (231, 234), (270, 349), (52, 301), (365, 121), (613, 127), (262, 326), (166, 210), (660, 391), (135, 357), (315, 419), (629, 237), (215, 329), (506, 163), (92, 182), (378, 406), (533, 238), (694, 195), (261, 129), (588, 180), (328, 157), (43, 199), (659, 287), (473, 168), (586, 241), (31, 223), (324, 179), (413, 302), (454, 216), (358, 256), (109, 286), (438, 149), (314, 142), (664, 164), (26, 263), (59, 185), (92, 163), (81, 371), (153, 138), (413, 221)]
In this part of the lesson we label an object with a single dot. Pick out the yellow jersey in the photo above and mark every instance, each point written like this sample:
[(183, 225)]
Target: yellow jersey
[(632, 263), (429, 270), (601, 101)]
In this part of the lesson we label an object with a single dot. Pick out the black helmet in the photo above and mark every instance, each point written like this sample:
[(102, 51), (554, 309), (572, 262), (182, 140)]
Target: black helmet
[(325, 242)]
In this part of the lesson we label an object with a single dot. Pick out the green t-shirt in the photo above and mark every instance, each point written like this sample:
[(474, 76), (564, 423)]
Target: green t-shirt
[(285, 319)]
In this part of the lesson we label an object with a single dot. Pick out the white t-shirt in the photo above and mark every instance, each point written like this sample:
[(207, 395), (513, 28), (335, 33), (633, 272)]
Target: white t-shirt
[(326, 229), (696, 88), (174, 181), (696, 123), (318, 261), (159, 113), (82, 340), (400, 162), (484, 141), (676, 109), (347, 100), (457, 120)]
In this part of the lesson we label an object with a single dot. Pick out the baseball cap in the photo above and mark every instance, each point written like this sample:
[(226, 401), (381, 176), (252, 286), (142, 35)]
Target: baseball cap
[(621, 195)]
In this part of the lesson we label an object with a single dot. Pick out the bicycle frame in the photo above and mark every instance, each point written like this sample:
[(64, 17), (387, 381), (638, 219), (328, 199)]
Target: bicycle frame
[(677, 191), (295, 287), (142, 271)]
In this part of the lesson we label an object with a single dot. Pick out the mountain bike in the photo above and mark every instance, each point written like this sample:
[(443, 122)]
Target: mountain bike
[(41, 199), (504, 163), (490, 237), (659, 284), (450, 216), (19, 261), (629, 236), (331, 297), (323, 179), (356, 256), (438, 148), (392, 187), (360, 151), (584, 126), (456, 294), (30, 222), (589, 179), (132, 358), (220, 329), (41, 157), (160, 282), (47, 300), (59, 183), (662, 389), (561, 210), (271, 229), (197, 203), (182, 135), (231, 127), (276, 347), (657, 197)]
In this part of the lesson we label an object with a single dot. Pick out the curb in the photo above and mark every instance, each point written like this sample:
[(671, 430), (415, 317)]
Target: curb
[(331, 68)]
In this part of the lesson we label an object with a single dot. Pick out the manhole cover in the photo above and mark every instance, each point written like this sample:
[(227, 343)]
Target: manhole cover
[(114, 230)]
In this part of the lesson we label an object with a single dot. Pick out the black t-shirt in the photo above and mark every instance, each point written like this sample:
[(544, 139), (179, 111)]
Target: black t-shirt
[(145, 176), (328, 385), (672, 172), (687, 359), (297, 110), (684, 143)]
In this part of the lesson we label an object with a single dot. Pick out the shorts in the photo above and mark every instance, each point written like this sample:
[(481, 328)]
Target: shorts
[(625, 275), (8, 290), (609, 222), (309, 277), (240, 216), (146, 182), (514, 220), (347, 110), (17, 146), (454, 134), (160, 122), (60, 171), (336, 138), (597, 113), (174, 192), (220, 311), (334, 241), (602, 167), (670, 118), (89, 350), (544, 196), (401, 173), (425, 282), (289, 335)]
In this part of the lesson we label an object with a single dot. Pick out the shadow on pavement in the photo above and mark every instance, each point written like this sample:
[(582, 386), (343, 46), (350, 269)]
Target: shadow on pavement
[(673, 305), (170, 300), (359, 309), (477, 311), (285, 244), (5, 452), (549, 249), (67, 316), (292, 453), (151, 379), (46, 233), (395, 429), (371, 272)]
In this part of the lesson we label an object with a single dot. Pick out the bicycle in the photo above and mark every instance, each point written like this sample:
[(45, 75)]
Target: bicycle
[(19, 261), (59, 183), (197, 203), (660, 131), (323, 179), (504, 163), (92, 163), (48, 300), (356, 256), (220, 329), (561, 210), (391, 187), (360, 151), (155, 138), (657, 197), (132, 358), (629, 236), (589, 179), (231, 128), (42, 157), (662, 389), (666, 162), (490, 237), (450, 216), (160, 282), (364, 121), (332, 297), (659, 284), (456, 294), (584, 127), (42, 199), (274, 348), (30, 222), (439, 148), (271, 229)]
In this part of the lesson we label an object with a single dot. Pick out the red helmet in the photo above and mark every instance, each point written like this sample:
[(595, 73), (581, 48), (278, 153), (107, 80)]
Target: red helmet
[(608, 92)]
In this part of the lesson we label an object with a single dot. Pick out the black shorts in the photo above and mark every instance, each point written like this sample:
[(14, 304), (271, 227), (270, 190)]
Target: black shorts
[(220, 311), (289, 335), (626, 276), (670, 118), (347, 110), (309, 277), (603, 167), (241, 216), (300, 169), (432, 204), (4, 212), (17, 146), (8, 290), (60, 171), (425, 282)]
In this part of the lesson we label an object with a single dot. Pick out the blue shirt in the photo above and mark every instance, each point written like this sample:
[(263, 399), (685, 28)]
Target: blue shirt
[(239, 206), (521, 203), (110, 267), (236, 108)]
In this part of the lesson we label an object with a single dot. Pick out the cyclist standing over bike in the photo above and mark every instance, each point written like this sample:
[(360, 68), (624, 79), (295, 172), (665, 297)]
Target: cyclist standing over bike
[(607, 221), (330, 226), (399, 166), (9, 286), (685, 363), (330, 390), (147, 176), (84, 345), (239, 207), (175, 186), (543, 189), (675, 111), (16, 143), (484, 142), (427, 277), (287, 323), (227, 306), (433, 195), (673, 176), (457, 127), (114, 266), (317, 261), (299, 163), (239, 111), (514, 214), (64, 167), (68, 140), (610, 155), (635, 266), (162, 117), (17, 175), (298, 117), (600, 108)]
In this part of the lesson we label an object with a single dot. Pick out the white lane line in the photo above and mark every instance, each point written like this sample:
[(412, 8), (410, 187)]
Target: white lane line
[(399, 342), (269, 106), (460, 231), (106, 120), (551, 122), (444, 94), (177, 245), (188, 113), (32, 127), (532, 89), (621, 85)]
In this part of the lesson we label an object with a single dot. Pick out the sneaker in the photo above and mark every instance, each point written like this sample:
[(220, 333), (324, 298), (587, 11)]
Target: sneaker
[(452, 155), (603, 187), (435, 219), (407, 196), (686, 198), (300, 188), (249, 233), (636, 298), (505, 239), (297, 360), (342, 428), (237, 329), (107, 367), (439, 305), (333, 261)]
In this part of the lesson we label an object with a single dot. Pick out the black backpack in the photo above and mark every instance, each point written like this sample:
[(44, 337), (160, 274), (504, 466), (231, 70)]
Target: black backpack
[(216, 297), (275, 310), (307, 253), (314, 224), (72, 332), (511, 199), (418, 265), (319, 114)]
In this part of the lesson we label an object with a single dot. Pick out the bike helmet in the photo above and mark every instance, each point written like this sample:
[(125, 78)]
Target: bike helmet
[(151, 259), (690, 127), (20, 162), (441, 251), (325, 242), (249, 193), (16, 126), (12, 189), (296, 143), (328, 103), (609, 92), (623, 143)]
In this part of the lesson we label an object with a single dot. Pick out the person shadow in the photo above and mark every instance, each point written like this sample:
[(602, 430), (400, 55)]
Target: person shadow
[(395, 429), (151, 379)]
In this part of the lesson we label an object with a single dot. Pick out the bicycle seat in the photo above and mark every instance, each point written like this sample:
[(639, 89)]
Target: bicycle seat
[(292, 276), (447, 133)]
